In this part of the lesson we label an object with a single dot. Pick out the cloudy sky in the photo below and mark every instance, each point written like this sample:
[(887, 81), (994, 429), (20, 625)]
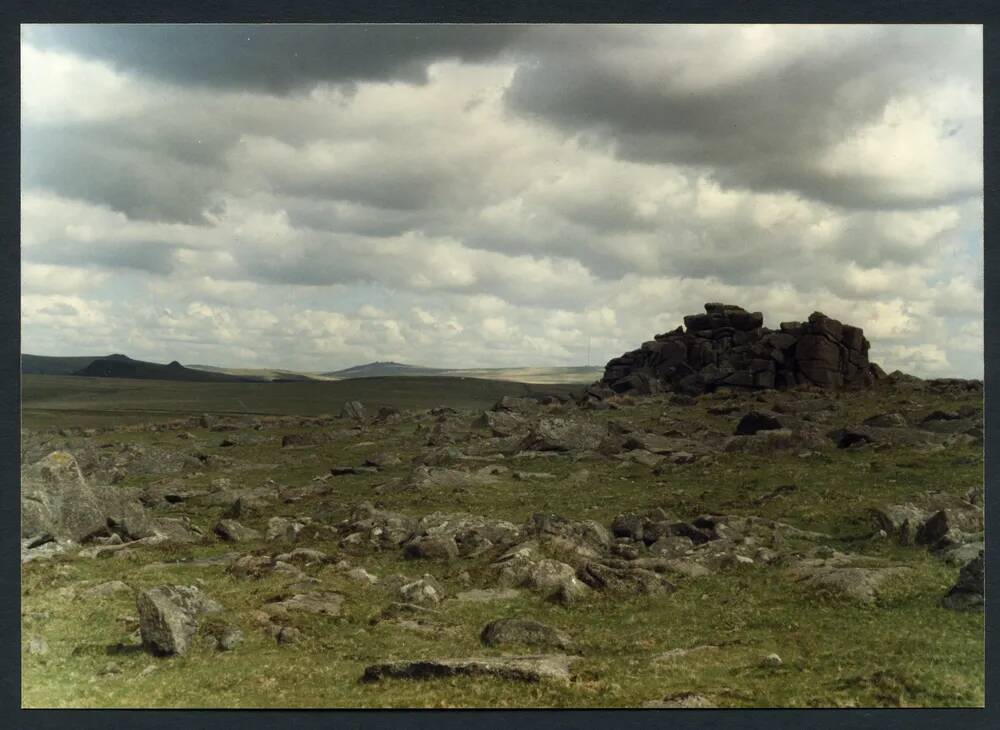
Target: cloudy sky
[(314, 197)]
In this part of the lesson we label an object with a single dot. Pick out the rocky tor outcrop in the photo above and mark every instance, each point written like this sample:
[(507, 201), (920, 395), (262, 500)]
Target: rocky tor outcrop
[(729, 346)]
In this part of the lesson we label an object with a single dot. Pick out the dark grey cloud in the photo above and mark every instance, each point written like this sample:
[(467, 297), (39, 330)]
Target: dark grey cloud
[(103, 164), (277, 58), (153, 257), (763, 131)]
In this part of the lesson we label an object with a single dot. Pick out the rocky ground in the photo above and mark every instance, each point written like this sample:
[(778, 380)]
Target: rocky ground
[(735, 549)]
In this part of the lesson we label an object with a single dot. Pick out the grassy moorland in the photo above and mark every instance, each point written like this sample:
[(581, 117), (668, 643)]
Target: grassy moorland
[(902, 649), (80, 401)]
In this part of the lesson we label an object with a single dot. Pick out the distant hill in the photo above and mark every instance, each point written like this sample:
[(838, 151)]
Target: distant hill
[(121, 366), (54, 365), (274, 375), (541, 375), (384, 369), (124, 367)]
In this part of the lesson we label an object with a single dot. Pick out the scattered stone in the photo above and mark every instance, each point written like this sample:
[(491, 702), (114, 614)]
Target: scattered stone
[(409, 610), (512, 631), (168, 616), (967, 593), (361, 575), (109, 669), (854, 577), (679, 701), (37, 646), (299, 440), (887, 420), (305, 556), (229, 639), (431, 548), (340, 471), (501, 423), (532, 476), (533, 668), (948, 525), (846, 438), (354, 410), (959, 555), (233, 531), (326, 603), (382, 460), (426, 591), (57, 501), (901, 522), (251, 566), (941, 416), (287, 635), (103, 590), (487, 595), (771, 660), (626, 580), (756, 421), (558, 434), (282, 528)]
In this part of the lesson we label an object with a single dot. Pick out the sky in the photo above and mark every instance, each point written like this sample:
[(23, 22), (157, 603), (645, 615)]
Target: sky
[(313, 197)]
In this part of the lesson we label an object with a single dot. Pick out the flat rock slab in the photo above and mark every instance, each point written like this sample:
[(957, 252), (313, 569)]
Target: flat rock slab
[(487, 595), (321, 602), (855, 577), (533, 668), (221, 559)]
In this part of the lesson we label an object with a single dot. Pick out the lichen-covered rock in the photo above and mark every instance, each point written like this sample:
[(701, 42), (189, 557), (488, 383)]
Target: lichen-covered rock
[(854, 577), (233, 531), (559, 434), (58, 501), (627, 580), (431, 547), (168, 617), (326, 603), (901, 522), (513, 631), (426, 591)]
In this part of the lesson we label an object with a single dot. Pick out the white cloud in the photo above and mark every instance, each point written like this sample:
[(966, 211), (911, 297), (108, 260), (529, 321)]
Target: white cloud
[(501, 212)]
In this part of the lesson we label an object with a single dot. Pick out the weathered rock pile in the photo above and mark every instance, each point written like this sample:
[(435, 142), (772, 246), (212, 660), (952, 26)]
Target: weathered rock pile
[(728, 346)]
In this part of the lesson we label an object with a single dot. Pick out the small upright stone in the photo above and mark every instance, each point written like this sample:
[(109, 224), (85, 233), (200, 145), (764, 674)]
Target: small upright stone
[(354, 410)]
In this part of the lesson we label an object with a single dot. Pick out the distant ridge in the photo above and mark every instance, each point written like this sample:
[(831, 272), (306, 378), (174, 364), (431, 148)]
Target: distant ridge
[(378, 369), (56, 365), (119, 366), (272, 375)]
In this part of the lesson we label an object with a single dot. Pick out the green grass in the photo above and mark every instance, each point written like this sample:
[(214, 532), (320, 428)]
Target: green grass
[(65, 400), (905, 650)]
